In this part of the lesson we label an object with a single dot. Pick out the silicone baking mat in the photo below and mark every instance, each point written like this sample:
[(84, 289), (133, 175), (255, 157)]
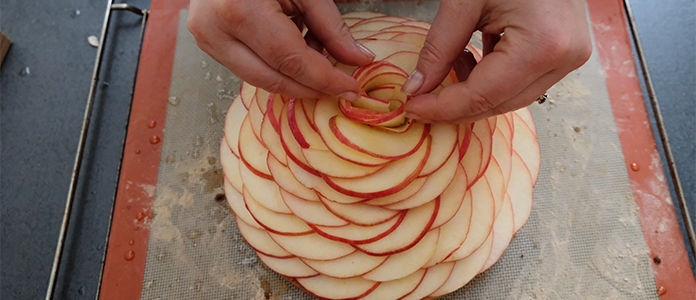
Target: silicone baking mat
[(583, 239)]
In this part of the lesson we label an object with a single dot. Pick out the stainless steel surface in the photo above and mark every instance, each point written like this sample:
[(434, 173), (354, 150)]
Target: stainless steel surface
[(81, 148), (671, 164)]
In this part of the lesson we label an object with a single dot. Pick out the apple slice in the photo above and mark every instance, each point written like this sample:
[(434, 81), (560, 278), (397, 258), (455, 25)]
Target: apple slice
[(444, 142), (434, 186), (233, 123), (247, 93), (452, 198), (251, 152), (465, 269), (388, 180), (414, 38), (411, 189), (503, 229), (526, 115), (312, 212), (230, 166), (433, 279), (417, 23), (271, 138), (326, 162), (402, 264), (321, 248), (374, 25), (464, 138), (408, 29), (319, 185), (236, 202), (453, 233), (291, 267), (482, 218), (526, 145), (333, 288), (383, 48), (379, 143), (382, 35), (287, 181), (265, 191), (359, 213), (396, 289), (416, 224), (520, 191), (352, 265), (261, 241), (255, 116), (362, 14), (284, 224), (479, 150), (355, 234), (406, 60), (497, 183)]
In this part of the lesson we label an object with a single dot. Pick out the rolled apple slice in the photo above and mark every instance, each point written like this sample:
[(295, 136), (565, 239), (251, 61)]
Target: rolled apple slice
[(327, 163), (434, 278), (261, 241), (526, 116), (352, 265), (478, 154), (396, 289), (334, 288), (312, 212), (383, 48), (402, 264), (291, 267), (319, 185), (406, 60), (419, 220), (374, 25), (271, 138)]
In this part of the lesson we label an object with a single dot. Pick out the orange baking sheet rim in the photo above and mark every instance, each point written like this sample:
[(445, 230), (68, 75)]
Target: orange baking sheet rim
[(129, 236)]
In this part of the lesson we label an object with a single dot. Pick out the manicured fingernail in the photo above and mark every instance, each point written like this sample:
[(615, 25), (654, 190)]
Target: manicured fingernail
[(413, 83), (366, 51), (350, 96)]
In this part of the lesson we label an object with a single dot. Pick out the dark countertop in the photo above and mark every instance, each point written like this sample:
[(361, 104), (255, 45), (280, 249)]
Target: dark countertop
[(41, 115)]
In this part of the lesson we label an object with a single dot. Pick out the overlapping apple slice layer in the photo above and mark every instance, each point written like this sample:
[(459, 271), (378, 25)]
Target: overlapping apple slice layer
[(354, 200)]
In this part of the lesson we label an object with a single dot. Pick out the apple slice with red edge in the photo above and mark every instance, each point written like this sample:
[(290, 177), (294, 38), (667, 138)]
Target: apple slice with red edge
[(520, 191), (261, 241), (233, 123), (334, 288), (312, 212), (230, 166), (290, 267), (453, 233), (321, 247), (452, 198), (526, 145), (265, 191), (465, 269), (287, 181), (283, 224), (402, 264), (359, 213), (482, 218), (503, 230), (251, 152), (356, 234), (236, 202), (352, 265), (434, 278), (398, 288)]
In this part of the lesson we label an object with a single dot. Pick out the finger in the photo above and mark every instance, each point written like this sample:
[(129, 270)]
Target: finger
[(244, 63), (451, 30), (489, 42), (283, 48), (464, 64), (324, 21)]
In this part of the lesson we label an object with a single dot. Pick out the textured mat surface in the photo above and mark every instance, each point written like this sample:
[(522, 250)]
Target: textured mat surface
[(583, 239)]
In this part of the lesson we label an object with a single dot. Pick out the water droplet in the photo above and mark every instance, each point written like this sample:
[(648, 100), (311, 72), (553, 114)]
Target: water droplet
[(635, 167), (174, 101), (140, 216), (137, 151), (130, 255), (169, 159), (150, 215), (154, 139), (661, 290), (195, 154), (152, 124), (204, 64), (207, 76), (212, 160), (131, 242), (118, 244), (75, 13), (24, 71), (194, 234), (148, 284), (81, 290), (93, 41), (136, 227)]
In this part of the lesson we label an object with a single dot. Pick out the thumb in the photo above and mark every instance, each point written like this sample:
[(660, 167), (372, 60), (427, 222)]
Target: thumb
[(454, 23)]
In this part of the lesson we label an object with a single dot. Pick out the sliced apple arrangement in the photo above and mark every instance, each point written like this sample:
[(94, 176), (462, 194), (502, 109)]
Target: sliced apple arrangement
[(354, 200)]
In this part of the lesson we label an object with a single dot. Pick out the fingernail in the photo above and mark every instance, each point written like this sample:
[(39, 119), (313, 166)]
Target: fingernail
[(411, 115), (366, 51), (413, 83), (350, 96)]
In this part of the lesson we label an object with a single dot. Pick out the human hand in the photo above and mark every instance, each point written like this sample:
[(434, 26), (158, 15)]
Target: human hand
[(543, 41), (259, 42)]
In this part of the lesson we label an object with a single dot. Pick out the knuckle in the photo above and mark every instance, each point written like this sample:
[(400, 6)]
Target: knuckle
[(431, 54), (276, 86), (479, 103), (292, 65)]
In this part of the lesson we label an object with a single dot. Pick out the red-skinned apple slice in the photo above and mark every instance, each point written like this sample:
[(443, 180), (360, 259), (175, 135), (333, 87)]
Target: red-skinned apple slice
[(398, 288), (286, 180), (283, 224), (255, 116), (374, 25), (497, 183), (464, 139), (312, 212), (291, 267), (415, 38), (233, 123), (435, 184), (363, 14), (326, 162), (271, 138), (352, 265), (520, 191), (465, 269), (503, 229), (417, 23), (478, 151), (251, 152), (433, 279), (388, 180), (414, 187), (382, 35), (383, 48), (452, 198), (444, 143), (526, 115), (236, 202), (321, 248), (247, 93), (319, 185), (408, 29), (418, 220), (379, 143), (230, 166), (333, 288), (526, 145), (406, 60), (402, 264), (265, 191), (354, 234), (261, 241), (395, 19), (502, 152), (359, 213), (453, 233), (482, 217)]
